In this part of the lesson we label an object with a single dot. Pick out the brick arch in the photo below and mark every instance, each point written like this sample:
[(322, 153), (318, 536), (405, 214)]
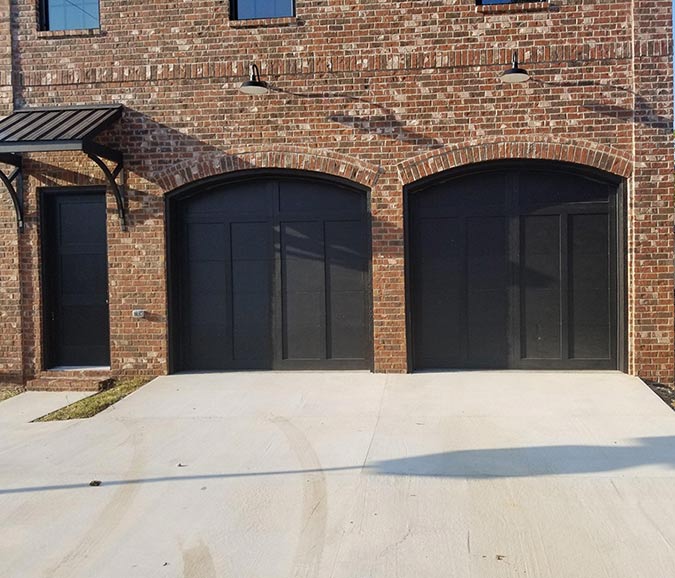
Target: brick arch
[(581, 153), (326, 162)]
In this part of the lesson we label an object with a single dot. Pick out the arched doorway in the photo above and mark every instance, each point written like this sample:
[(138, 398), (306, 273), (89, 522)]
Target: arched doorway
[(516, 265), (269, 270)]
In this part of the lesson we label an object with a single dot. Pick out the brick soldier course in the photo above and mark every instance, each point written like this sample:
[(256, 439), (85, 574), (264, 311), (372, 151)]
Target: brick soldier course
[(382, 94)]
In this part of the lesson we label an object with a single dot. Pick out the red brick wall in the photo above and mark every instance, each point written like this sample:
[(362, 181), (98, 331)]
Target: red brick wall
[(651, 204), (380, 92), (5, 58), (10, 310)]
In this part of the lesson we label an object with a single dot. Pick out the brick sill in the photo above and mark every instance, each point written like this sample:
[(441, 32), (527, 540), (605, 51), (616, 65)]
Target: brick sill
[(85, 32), (266, 22), (511, 8)]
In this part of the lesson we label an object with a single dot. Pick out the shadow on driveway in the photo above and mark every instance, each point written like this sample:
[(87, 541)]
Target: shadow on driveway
[(470, 464)]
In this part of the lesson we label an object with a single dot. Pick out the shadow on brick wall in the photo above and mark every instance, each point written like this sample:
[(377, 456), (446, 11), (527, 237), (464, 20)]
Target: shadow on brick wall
[(643, 112), (382, 122), (159, 149)]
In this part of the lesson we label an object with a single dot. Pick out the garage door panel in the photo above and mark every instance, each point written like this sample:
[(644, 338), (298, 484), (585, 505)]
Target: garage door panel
[(541, 325), (590, 341), (234, 199), (537, 188), (590, 287), (251, 328), (208, 277), (299, 196), (302, 256), (251, 283), (346, 255), (486, 291), (439, 291), (346, 275), (207, 317), (251, 276), (589, 234), (304, 290), (540, 251), (486, 247), (590, 272), (252, 240), (209, 308), (466, 194), (345, 240), (206, 241), (201, 351), (439, 335), (540, 287), (304, 325), (348, 336), (589, 305), (486, 273), (439, 238), (439, 255), (487, 332), (486, 237), (439, 276)]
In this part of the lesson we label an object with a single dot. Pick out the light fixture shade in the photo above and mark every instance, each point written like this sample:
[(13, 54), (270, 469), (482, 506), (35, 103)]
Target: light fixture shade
[(254, 86), (515, 74)]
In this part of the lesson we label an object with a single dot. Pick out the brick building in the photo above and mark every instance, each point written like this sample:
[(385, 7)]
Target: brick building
[(390, 203)]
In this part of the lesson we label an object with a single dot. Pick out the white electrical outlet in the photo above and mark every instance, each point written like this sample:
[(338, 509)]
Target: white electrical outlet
[(138, 313)]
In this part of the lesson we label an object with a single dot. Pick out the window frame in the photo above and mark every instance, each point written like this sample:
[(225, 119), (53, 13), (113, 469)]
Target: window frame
[(509, 2), (43, 19), (234, 8)]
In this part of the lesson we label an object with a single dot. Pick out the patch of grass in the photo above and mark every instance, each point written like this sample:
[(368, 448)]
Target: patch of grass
[(7, 391), (90, 406)]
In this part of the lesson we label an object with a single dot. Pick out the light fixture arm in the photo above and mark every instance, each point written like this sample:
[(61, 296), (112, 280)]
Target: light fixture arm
[(253, 73)]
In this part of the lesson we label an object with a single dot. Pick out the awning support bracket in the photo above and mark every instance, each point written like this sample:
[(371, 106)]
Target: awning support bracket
[(14, 184), (97, 152)]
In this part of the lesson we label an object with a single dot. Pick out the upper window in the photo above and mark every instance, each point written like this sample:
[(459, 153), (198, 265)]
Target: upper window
[(247, 9), (69, 14)]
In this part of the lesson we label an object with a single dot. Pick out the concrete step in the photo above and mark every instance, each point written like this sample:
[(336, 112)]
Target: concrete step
[(70, 380)]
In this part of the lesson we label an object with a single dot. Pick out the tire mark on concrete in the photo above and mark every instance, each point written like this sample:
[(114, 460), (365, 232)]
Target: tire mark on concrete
[(312, 539), (198, 562), (104, 525)]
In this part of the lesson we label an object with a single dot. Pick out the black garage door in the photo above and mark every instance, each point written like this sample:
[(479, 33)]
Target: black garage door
[(514, 267), (271, 273)]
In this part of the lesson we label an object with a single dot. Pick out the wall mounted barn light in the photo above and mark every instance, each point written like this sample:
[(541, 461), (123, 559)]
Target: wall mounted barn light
[(515, 74), (254, 86)]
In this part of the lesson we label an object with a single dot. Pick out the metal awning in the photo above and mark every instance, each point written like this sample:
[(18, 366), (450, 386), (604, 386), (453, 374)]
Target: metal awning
[(64, 128)]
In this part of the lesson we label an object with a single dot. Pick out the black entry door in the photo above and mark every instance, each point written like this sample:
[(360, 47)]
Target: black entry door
[(514, 268), (76, 279), (271, 274)]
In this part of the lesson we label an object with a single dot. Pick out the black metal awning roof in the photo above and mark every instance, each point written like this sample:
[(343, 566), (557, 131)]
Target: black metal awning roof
[(55, 129), (64, 128)]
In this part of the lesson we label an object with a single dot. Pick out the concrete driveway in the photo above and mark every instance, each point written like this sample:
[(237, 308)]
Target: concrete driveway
[(348, 475)]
